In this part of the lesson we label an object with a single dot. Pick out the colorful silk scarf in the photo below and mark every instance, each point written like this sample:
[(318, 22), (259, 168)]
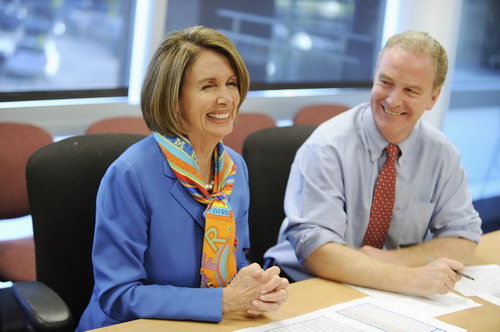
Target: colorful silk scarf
[(218, 264)]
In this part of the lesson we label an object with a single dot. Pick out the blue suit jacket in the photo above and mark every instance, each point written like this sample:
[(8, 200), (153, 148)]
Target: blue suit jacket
[(148, 242)]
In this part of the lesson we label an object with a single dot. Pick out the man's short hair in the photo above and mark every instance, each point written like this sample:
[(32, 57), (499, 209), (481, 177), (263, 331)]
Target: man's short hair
[(421, 42)]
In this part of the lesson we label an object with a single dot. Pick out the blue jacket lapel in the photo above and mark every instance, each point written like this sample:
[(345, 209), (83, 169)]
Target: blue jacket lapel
[(181, 195)]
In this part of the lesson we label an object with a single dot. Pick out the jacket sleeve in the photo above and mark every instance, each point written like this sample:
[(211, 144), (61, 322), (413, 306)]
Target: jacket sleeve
[(121, 240)]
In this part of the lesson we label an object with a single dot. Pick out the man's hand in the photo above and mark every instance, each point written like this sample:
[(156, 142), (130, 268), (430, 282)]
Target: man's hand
[(438, 277)]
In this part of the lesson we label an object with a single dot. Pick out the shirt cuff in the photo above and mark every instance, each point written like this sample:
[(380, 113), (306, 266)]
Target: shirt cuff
[(313, 240)]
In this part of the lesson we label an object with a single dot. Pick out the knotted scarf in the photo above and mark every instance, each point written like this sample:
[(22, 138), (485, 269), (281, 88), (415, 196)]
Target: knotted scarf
[(218, 264)]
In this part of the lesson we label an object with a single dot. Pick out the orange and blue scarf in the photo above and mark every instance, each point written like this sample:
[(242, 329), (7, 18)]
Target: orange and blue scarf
[(218, 264)]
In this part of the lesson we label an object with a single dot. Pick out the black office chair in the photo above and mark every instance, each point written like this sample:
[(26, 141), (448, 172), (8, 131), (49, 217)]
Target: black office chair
[(62, 180), (489, 213), (269, 154)]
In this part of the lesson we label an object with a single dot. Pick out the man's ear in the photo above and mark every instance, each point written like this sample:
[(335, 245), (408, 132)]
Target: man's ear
[(433, 99)]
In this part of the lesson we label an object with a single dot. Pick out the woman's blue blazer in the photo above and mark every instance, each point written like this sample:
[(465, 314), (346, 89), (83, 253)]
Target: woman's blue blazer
[(148, 242)]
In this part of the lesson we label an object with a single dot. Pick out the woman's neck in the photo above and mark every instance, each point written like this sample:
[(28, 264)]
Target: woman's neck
[(206, 168), (204, 155)]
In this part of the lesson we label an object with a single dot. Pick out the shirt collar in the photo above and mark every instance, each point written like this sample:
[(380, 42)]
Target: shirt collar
[(377, 143)]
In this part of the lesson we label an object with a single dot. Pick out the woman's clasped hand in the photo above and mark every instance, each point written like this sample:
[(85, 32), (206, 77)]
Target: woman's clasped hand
[(255, 290)]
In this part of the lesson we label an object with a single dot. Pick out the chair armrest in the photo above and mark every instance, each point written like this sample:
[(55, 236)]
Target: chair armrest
[(43, 307)]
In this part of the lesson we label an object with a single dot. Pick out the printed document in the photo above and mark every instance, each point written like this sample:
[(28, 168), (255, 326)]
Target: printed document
[(364, 314), (486, 283), (434, 305)]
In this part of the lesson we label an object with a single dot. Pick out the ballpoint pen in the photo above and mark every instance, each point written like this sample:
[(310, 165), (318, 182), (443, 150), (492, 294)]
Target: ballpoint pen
[(457, 272)]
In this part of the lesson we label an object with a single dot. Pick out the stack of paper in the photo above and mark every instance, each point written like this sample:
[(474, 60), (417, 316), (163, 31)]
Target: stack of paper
[(486, 283)]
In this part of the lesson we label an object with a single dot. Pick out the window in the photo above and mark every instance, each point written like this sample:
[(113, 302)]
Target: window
[(478, 54), (473, 121), (64, 48), (59, 49), (294, 43)]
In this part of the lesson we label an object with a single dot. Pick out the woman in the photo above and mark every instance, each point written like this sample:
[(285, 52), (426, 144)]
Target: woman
[(171, 214)]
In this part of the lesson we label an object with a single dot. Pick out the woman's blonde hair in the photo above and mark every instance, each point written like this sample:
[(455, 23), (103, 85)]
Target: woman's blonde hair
[(162, 84), (421, 42)]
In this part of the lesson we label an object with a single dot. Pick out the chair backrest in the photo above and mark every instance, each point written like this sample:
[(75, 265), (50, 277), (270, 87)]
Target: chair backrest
[(17, 142), (316, 114), (62, 180), (121, 124), (269, 154), (17, 259), (246, 124), (489, 212)]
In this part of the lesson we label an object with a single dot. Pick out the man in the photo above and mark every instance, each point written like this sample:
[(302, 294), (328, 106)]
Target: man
[(430, 229)]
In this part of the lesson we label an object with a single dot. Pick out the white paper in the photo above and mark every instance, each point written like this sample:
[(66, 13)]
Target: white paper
[(434, 305), (364, 314), (486, 280)]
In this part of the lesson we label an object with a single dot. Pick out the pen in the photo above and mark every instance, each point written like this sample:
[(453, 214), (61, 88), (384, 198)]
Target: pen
[(457, 272)]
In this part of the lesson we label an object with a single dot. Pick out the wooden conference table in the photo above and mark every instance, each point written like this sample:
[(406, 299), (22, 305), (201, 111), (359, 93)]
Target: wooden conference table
[(313, 294)]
